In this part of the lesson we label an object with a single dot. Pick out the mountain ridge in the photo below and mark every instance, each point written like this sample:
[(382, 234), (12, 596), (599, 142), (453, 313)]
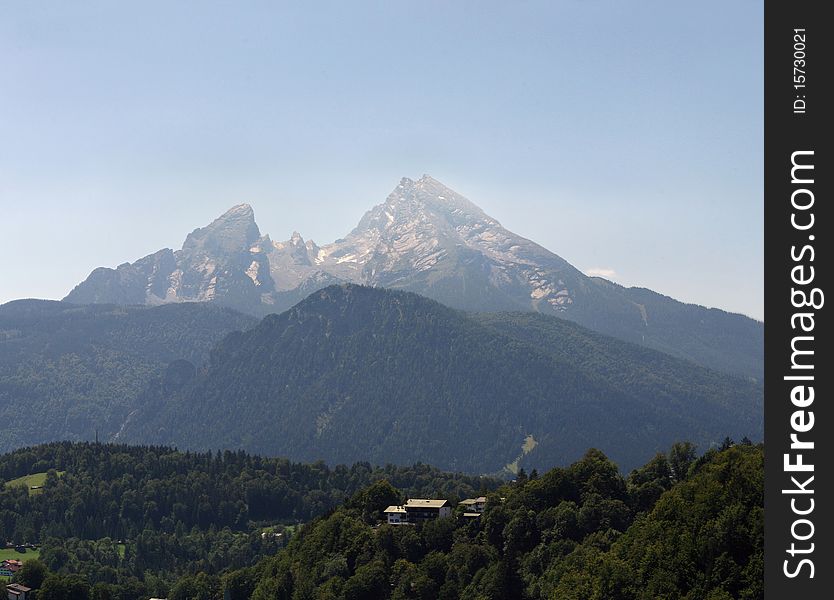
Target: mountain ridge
[(390, 376), (425, 238)]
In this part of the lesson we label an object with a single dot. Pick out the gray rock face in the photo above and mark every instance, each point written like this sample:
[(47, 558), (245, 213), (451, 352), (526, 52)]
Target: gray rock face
[(137, 283), (428, 239), (221, 262)]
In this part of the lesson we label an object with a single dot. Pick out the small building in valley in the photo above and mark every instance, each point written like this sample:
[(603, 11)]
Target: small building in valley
[(15, 591), (418, 510), (474, 505), (421, 509), (10, 567), (396, 515)]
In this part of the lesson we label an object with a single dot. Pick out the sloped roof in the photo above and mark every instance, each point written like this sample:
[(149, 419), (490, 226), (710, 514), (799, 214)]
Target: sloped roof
[(425, 503), (470, 501)]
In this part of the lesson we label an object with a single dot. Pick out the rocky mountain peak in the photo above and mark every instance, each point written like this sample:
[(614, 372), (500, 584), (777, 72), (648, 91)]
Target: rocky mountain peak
[(242, 210), (233, 231), (296, 239), (428, 195), (424, 237), (424, 203)]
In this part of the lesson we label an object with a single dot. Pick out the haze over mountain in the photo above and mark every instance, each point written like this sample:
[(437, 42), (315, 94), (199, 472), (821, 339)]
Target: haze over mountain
[(431, 240), (355, 372)]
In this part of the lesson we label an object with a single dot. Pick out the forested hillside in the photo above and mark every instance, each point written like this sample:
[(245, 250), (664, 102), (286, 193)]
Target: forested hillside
[(677, 528), (125, 514), (358, 373), (68, 371), (680, 527)]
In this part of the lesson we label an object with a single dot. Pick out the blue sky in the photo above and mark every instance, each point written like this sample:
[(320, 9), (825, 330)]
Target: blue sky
[(626, 136)]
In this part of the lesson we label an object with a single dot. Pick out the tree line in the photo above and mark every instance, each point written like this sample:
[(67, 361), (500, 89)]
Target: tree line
[(681, 526)]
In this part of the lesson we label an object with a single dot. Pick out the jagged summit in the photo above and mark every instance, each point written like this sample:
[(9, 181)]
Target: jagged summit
[(425, 238), (217, 262), (430, 192), (243, 210), (232, 231)]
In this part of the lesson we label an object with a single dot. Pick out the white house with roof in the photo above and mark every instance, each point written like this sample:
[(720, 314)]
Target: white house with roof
[(421, 509), (416, 510), (474, 505), (396, 515)]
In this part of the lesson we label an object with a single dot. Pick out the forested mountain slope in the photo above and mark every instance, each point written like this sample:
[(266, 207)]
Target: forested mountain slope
[(359, 373), (67, 372)]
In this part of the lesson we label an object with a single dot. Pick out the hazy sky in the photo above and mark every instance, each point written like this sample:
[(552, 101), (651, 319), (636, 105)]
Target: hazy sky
[(626, 136)]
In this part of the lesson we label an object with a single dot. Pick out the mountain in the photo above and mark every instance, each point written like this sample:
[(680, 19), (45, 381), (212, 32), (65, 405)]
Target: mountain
[(428, 239), (68, 371), (219, 262), (362, 373)]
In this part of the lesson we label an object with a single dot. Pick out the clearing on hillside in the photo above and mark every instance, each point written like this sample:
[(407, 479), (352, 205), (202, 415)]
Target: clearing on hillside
[(35, 480)]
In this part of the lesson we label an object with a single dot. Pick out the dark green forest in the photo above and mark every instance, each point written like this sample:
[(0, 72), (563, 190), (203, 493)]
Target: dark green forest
[(174, 512), (358, 373), (679, 527), (354, 373), (682, 526), (67, 371)]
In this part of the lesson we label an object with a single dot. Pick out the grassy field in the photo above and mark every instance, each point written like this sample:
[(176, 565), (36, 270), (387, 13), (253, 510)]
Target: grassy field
[(10, 553), (34, 479)]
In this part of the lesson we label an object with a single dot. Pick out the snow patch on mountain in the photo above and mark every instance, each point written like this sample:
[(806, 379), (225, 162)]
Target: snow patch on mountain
[(423, 234), (252, 272)]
